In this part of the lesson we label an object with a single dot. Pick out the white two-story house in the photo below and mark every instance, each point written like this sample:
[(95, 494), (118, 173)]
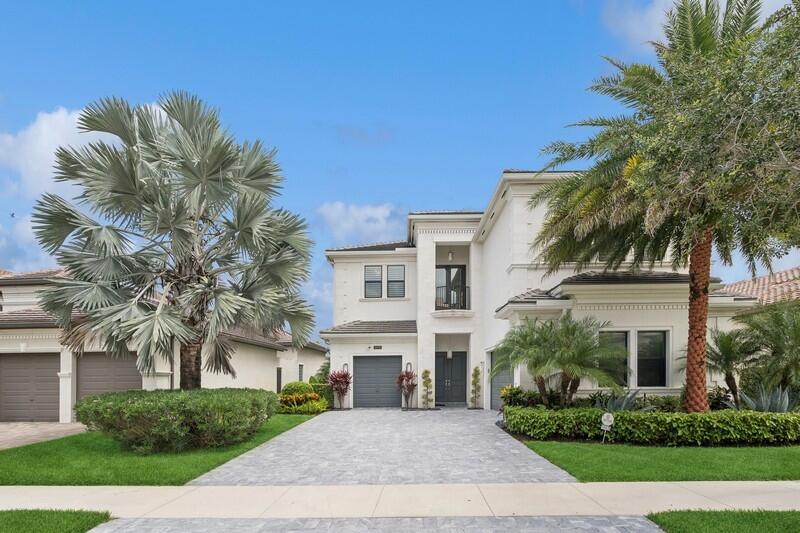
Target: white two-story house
[(443, 299)]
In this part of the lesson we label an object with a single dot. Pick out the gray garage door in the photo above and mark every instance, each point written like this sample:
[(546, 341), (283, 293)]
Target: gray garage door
[(99, 373), (29, 387), (499, 381), (374, 381)]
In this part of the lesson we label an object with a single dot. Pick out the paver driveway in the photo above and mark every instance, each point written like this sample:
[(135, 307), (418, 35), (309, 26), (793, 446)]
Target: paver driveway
[(383, 446), (13, 434)]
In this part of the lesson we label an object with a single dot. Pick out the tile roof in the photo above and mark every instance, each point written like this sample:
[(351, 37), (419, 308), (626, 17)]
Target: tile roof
[(29, 318), (775, 287), (285, 339), (531, 296), (626, 276), (374, 327), (251, 336), (374, 247), (23, 278)]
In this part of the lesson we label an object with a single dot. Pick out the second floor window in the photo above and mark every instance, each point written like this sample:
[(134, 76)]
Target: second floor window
[(451, 287), (373, 281), (396, 281)]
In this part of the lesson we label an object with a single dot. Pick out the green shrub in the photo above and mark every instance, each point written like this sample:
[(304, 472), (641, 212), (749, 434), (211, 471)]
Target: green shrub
[(297, 387), (663, 404), (716, 428), (311, 407), (324, 390), (153, 421)]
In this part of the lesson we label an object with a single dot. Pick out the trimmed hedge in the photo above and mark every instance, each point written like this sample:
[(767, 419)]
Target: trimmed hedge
[(163, 420), (325, 392), (297, 387), (717, 428)]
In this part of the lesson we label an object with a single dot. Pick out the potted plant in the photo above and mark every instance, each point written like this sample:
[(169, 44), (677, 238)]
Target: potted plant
[(340, 381), (407, 383), (476, 388)]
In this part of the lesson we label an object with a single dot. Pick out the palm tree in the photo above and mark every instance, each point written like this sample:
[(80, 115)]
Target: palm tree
[(178, 241), (646, 195), (728, 353), (774, 330), (567, 349)]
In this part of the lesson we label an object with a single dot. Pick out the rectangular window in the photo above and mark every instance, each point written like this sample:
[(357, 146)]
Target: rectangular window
[(651, 358), (278, 379), (300, 372), (616, 339), (373, 281), (396, 281)]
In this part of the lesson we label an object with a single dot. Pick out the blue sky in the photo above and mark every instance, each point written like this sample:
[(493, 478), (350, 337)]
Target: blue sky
[(376, 108)]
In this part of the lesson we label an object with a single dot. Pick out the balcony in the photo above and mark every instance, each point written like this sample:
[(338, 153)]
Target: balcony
[(452, 297)]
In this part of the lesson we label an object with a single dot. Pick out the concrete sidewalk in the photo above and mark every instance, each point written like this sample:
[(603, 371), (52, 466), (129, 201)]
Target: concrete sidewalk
[(465, 500)]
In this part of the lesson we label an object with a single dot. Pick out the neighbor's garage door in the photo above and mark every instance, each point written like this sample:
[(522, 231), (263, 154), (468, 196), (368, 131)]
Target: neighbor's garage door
[(374, 381), (99, 373), (29, 387)]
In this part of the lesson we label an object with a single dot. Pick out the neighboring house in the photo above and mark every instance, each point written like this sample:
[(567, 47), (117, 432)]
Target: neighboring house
[(775, 287), (443, 299), (40, 380)]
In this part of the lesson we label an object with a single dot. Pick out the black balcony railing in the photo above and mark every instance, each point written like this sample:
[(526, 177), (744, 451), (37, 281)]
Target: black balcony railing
[(452, 297)]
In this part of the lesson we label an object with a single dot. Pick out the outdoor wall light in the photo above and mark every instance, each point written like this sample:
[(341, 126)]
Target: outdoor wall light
[(450, 256), (408, 366), (346, 367)]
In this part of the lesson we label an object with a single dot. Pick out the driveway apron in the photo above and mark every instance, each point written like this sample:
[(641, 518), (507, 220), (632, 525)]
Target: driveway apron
[(389, 446)]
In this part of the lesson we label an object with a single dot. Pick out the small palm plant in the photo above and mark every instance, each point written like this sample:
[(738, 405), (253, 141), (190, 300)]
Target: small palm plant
[(564, 348), (174, 241), (775, 332), (728, 353)]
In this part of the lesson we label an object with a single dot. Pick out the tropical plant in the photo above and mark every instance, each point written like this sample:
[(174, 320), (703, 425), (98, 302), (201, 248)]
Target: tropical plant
[(563, 348), (729, 353), (774, 330), (178, 243), (475, 393), (340, 381), (708, 157), (427, 389), (626, 401), (322, 374), (297, 387), (407, 383), (777, 400)]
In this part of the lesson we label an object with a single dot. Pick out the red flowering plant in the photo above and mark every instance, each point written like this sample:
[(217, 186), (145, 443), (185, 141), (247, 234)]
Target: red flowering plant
[(407, 383), (340, 381)]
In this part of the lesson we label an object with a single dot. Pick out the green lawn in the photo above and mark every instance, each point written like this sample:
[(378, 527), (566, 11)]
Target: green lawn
[(95, 459), (727, 521), (622, 462), (39, 521)]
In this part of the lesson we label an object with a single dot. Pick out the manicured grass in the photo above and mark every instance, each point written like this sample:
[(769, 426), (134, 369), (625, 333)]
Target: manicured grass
[(95, 459), (44, 521), (727, 521), (622, 462)]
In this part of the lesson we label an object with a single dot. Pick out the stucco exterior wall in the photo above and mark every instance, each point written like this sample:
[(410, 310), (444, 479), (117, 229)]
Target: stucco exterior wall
[(255, 368), (19, 297)]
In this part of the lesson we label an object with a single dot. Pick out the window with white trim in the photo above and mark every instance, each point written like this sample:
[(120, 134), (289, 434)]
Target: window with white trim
[(651, 358), (300, 372), (619, 339), (396, 281), (373, 281)]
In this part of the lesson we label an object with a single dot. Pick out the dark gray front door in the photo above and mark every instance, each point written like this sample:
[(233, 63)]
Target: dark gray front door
[(99, 373), (375, 380), (451, 378), (503, 378), (29, 387)]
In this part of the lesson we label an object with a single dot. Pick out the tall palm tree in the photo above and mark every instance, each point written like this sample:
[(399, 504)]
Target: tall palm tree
[(728, 353), (175, 240), (634, 205), (563, 348), (775, 332)]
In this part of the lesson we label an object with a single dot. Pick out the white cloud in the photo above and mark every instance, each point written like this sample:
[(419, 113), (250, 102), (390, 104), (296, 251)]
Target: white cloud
[(640, 23), (30, 153), (354, 223), (23, 230), (19, 251)]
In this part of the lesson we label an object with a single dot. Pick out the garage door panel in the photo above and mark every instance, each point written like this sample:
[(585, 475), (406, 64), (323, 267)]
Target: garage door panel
[(29, 387), (503, 378), (374, 381), (98, 373)]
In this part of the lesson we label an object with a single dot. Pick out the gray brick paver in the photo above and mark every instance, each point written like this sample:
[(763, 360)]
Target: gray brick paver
[(383, 446)]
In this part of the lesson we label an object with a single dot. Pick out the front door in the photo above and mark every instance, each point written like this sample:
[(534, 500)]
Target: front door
[(451, 378)]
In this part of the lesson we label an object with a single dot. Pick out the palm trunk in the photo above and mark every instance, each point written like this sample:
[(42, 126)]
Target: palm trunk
[(730, 381), (573, 388), (190, 366), (699, 276), (540, 384), (565, 381)]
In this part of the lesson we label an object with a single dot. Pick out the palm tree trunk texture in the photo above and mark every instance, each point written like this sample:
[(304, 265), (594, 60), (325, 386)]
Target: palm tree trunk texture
[(540, 384), (699, 277), (565, 382), (573, 388), (190, 366)]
